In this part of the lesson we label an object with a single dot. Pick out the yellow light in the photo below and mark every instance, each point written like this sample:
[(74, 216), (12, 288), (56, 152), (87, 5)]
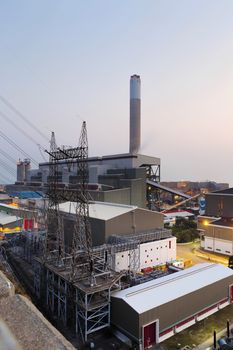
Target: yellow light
[(206, 223), (10, 230)]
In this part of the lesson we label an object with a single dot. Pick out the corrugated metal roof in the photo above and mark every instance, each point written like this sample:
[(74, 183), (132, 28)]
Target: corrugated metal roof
[(100, 210), (13, 207), (7, 219), (26, 194), (178, 214), (151, 294)]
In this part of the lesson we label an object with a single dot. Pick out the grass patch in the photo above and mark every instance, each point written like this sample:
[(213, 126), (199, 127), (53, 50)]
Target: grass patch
[(201, 331)]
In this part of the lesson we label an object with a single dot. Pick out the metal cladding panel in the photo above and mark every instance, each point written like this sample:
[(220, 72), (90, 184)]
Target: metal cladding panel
[(188, 305), (124, 317), (219, 205), (219, 232), (139, 220)]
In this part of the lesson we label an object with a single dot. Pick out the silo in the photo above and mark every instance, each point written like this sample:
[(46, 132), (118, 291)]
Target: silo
[(20, 171), (27, 167), (135, 114)]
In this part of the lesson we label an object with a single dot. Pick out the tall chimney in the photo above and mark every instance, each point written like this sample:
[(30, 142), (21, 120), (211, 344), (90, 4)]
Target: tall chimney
[(135, 114)]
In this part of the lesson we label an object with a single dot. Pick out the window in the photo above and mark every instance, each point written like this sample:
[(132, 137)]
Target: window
[(219, 250), (227, 251), (170, 244), (122, 256)]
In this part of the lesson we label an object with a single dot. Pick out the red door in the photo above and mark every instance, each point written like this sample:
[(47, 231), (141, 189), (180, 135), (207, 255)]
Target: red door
[(149, 334), (231, 292)]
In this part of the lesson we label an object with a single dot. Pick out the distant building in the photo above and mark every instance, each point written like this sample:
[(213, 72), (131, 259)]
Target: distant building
[(23, 167), (195, 187), (216, 226), (170, 217)]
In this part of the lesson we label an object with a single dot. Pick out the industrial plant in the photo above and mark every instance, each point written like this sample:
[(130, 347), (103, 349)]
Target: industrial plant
[(94, 255)]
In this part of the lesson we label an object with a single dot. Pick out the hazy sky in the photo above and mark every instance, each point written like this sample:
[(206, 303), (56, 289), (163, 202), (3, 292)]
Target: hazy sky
[(64, 61)]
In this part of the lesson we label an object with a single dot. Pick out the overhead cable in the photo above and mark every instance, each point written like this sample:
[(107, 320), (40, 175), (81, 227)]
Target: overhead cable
[(4, 116), (7, 167), (13, 144), (22, 116), (7, 156)]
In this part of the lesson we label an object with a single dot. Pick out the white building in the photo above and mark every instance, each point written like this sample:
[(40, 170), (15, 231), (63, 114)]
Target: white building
[(150, 254)]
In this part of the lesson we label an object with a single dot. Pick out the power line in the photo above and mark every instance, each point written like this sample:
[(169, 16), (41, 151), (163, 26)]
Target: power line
[(13, 144), (8, 167), (2, 165), (18, 127), (22, 116), (7, 156), (4, 177), (5, 117)]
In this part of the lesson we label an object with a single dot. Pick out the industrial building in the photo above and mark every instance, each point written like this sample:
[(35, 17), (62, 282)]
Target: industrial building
[(23, 167), (9, 224), (194, 187), (108, 219), (216, 226), (130, 178), (88, 250), (156, 310), (125, 226)]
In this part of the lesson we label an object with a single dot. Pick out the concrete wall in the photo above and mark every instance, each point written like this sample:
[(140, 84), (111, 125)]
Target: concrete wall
[(151, 254), (121, 196), (218, 245)]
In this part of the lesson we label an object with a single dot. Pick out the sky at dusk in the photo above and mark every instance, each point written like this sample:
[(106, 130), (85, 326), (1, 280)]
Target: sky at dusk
[(66, 61)]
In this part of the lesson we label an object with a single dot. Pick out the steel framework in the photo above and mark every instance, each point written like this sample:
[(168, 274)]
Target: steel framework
[(81, 280)]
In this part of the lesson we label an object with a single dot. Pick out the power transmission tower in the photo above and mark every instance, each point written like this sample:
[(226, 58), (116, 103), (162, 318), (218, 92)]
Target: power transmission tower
[(82, 234), (54, 242)]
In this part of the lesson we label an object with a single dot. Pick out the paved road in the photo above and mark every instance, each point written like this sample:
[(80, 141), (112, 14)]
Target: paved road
[(192, 251)]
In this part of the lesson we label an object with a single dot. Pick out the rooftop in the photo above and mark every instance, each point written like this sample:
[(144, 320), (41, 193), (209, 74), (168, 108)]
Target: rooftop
[(100, 210), (7, 219), (165, 289)]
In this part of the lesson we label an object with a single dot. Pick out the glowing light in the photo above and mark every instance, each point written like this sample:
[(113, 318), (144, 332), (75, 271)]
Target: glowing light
[(206, 223)]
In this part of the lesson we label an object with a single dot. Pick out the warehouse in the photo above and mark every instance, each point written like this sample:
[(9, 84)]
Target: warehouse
[(216, 226), (156, 310), (9, 224), (107, 219), (216, 234)]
